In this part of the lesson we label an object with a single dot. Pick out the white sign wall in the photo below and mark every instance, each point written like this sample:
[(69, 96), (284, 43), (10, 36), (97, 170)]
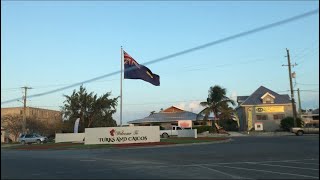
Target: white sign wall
[(122, 135)]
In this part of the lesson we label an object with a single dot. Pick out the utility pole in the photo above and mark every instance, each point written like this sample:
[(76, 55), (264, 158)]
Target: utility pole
[(24, 123), (291, 89), (300, 110)]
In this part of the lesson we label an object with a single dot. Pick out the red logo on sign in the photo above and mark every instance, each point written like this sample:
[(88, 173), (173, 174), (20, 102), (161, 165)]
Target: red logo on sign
[(112, 132)]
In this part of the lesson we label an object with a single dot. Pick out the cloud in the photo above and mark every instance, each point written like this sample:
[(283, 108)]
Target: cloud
[(193, 106)]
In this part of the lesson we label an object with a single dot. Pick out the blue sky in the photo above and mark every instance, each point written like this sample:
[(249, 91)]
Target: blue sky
[(47, 45)]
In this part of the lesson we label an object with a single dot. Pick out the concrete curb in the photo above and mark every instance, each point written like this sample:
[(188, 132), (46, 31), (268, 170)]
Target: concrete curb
[(177, 145)]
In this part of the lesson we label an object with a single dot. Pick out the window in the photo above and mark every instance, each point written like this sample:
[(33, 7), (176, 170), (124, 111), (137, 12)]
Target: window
[(29, 136), (278, 116), (262, 117), (179, 128)]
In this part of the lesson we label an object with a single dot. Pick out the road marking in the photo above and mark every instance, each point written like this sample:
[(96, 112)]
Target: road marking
[(274, 172), (284, 166), (305, 163), (243, 162), (87, 160), (230, 175)]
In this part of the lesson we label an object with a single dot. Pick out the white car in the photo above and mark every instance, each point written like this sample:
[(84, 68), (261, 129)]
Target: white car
[(310, 128), (32, 138)]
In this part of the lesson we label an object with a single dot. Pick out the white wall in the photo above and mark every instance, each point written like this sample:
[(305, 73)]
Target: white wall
[(122, 135), (188, 133), (69, 137)]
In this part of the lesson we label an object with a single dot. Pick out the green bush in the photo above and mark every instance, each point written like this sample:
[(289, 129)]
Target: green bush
[(229, 125), (288, 123), (201, 129)]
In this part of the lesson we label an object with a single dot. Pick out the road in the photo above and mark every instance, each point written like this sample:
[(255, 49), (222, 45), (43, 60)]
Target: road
[(282, 157)]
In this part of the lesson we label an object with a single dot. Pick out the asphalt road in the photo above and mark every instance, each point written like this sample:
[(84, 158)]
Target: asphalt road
[(284, 157)]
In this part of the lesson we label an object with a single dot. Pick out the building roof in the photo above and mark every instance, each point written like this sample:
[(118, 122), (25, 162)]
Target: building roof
[(255, 98), (169, 115), (316, 111), (241, 99)]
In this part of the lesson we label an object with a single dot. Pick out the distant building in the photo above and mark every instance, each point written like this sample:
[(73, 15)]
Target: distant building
[(169, 117), (310, 117), (263, 109), (49, 117)]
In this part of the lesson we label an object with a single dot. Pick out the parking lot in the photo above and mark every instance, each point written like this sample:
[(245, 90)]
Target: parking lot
[(287, 157)]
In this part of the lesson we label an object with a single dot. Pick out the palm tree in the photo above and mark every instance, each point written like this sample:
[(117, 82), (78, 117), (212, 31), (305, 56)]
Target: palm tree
[(217, 102)]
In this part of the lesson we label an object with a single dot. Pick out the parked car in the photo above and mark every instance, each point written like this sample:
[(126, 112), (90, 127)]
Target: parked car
[(32, 138), (310, 128)]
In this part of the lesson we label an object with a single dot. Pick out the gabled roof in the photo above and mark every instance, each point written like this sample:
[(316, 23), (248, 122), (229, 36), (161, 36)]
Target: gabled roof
[(267, 94), (172, 109), (164, 116), (241, 99), (255, 98)]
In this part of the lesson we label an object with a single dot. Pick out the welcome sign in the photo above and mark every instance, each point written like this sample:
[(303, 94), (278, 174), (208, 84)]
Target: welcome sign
[(122, 135)]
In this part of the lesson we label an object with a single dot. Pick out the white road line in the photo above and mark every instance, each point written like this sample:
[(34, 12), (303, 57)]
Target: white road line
[(87, 160), (284, 166), (243, 162), (305, 163), (274, 172), (214, 170)]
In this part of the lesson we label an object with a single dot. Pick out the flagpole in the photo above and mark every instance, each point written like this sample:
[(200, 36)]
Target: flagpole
[(121, 87)]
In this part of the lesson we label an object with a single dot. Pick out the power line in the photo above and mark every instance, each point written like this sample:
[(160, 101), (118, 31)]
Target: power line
[(265, 27), (308, 84)]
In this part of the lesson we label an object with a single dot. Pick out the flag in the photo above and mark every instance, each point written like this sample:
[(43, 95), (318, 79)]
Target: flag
[(76, 125), (133, 70)]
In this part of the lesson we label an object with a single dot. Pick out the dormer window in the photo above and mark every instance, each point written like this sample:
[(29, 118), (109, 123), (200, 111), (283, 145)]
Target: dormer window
[(267, 98)]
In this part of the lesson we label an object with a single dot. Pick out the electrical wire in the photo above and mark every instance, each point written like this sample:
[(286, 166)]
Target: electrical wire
[(232, 37)]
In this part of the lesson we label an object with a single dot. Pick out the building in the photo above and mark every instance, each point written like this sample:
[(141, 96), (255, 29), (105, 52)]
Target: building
[(311, 116), (49, 117), (171, 116), (263, 110)]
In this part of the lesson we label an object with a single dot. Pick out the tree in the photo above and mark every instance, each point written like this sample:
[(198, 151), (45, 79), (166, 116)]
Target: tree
[(13, 125), (36, 125), (288, 123), (217, 103), (152, 112), (92, 110)]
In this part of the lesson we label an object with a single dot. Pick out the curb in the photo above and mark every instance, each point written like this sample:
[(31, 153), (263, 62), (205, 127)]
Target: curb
[(177, 145)]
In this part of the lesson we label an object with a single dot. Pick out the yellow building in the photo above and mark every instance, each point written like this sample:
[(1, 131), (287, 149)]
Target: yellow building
[(263, 110)]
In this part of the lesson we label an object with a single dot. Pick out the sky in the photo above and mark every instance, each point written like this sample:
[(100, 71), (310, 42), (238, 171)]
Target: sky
[(48, 45)]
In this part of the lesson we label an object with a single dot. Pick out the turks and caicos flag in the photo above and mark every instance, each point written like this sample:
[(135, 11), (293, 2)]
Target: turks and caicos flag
[(133, 70)]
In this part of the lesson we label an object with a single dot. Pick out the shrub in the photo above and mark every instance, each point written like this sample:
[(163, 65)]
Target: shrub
[(288, 123), (201, 129), (229, 125)]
